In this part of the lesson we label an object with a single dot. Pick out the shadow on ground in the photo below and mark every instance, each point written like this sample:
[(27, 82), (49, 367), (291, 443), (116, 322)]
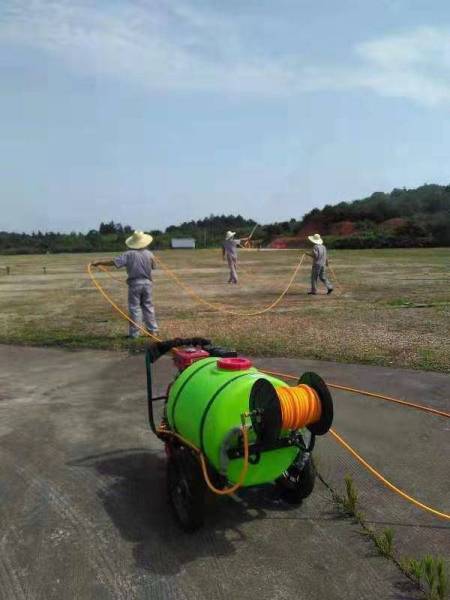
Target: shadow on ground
[(132, 492)]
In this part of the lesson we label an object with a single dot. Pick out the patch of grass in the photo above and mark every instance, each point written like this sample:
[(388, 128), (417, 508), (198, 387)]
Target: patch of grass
[(385, 542), (442, 580), (351, 496), (430, 574), (61, 307), (349, 502), (398, 302), (414, 568), (429, 359)]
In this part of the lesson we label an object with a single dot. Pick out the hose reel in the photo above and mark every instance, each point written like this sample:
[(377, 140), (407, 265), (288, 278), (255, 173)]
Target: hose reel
[(274, 410)]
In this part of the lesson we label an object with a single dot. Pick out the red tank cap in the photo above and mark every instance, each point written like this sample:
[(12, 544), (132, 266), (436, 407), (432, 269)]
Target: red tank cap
[(234, 364)]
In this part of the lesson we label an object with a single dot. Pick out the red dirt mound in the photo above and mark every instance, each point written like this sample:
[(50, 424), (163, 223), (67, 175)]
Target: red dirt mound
[(392, 224), (342, 228), (282, 243)]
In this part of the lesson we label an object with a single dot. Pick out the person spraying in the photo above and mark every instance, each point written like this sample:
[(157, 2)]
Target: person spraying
[(139, 263), (229, 252), (320, 261)]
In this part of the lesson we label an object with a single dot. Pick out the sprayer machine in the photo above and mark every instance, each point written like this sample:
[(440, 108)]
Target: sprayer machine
[(226, 425)]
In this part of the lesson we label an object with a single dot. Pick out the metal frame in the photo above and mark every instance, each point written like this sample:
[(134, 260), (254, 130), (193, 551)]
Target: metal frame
[(150, 398)]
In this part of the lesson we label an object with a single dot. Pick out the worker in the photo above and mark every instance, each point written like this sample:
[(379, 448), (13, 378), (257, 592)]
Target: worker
[(320, 261), (139, 262), (229, 251)]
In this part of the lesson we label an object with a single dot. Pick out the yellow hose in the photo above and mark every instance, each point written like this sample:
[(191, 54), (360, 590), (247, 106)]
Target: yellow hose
[(428, 409), (117, 308), (385, 482), (220, 308), (202, 460)]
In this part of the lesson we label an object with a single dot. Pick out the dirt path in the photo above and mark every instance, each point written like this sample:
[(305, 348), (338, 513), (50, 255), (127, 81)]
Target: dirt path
[(83, 512)]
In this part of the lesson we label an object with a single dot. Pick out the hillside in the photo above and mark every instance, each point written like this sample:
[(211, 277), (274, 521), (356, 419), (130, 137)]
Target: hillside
[(401, 218)]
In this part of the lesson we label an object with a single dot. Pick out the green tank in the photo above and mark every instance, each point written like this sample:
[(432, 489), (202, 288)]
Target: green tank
[(204, 406)]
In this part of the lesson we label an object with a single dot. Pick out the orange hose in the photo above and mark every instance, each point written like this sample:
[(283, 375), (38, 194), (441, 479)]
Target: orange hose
[(215, 306), (385, 482), (428, 409), (117, 308), (202, 460), (189, 290), (300, 406)]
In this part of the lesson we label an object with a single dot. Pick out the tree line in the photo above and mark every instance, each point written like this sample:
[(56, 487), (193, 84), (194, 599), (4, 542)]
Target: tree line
[(401, 218), (110, 236)]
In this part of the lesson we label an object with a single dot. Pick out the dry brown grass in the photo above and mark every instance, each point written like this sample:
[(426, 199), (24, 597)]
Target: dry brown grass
[(394, 309)]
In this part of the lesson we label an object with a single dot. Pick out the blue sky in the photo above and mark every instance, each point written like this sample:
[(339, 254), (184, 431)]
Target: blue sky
[(151, 112)]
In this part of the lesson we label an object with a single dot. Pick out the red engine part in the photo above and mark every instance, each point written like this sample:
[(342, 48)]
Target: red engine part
[(184, 357)]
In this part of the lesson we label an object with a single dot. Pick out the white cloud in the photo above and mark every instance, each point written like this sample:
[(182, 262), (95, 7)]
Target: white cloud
[(174, 47), (414, 65)]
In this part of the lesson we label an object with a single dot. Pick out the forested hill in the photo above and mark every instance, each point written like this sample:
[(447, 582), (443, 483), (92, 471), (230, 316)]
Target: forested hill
[(416, 217), (401, 218)]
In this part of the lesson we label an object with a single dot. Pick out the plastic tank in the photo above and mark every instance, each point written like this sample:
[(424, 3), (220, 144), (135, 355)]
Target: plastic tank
[(206, 402)]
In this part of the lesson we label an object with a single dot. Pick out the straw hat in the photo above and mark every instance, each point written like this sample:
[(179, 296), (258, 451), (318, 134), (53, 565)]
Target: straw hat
[(138, 240), (229, 235), (315, 239)]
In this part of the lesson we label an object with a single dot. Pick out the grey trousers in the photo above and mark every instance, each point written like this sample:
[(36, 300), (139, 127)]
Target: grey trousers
[(318, 272), (232, 263), (140, 300)]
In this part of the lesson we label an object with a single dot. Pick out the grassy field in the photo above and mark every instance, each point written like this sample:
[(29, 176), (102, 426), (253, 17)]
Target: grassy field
[(393, 307)]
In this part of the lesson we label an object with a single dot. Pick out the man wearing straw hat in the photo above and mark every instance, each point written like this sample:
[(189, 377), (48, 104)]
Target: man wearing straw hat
[(229, 251), (139, 262), (320, 261)]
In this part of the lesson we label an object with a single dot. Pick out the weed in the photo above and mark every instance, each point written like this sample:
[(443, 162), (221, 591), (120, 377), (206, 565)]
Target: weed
[(350, 501), (398, 302), (414, 568), (442, 579), (431, 572), (385, 542)]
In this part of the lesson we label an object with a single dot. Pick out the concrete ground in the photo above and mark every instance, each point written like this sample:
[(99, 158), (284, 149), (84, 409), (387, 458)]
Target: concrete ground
[(83, 512)]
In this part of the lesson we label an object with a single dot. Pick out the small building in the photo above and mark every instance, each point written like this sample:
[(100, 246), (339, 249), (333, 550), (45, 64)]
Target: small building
[(182, 243)]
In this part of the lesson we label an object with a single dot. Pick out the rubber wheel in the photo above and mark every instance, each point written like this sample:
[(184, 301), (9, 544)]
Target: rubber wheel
[(186, 489), (297, 484)]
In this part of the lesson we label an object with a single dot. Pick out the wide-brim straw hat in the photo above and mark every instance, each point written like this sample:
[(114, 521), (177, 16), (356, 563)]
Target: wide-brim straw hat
[(229, 235), (315, 239), (139, 240)]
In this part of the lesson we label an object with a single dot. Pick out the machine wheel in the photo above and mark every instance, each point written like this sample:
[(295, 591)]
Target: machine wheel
[(297, 483), (186, 488)]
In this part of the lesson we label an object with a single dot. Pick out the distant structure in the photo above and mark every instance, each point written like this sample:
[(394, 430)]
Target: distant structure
[(182, 243)]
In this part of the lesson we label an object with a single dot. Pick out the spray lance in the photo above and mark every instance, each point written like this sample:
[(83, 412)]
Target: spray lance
[(247, 241)]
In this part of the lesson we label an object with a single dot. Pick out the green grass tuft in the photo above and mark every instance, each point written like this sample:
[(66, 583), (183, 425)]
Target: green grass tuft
[(385, 542), (351, 496)]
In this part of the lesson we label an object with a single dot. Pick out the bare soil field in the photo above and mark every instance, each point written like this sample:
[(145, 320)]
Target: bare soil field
[(391, 307)]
